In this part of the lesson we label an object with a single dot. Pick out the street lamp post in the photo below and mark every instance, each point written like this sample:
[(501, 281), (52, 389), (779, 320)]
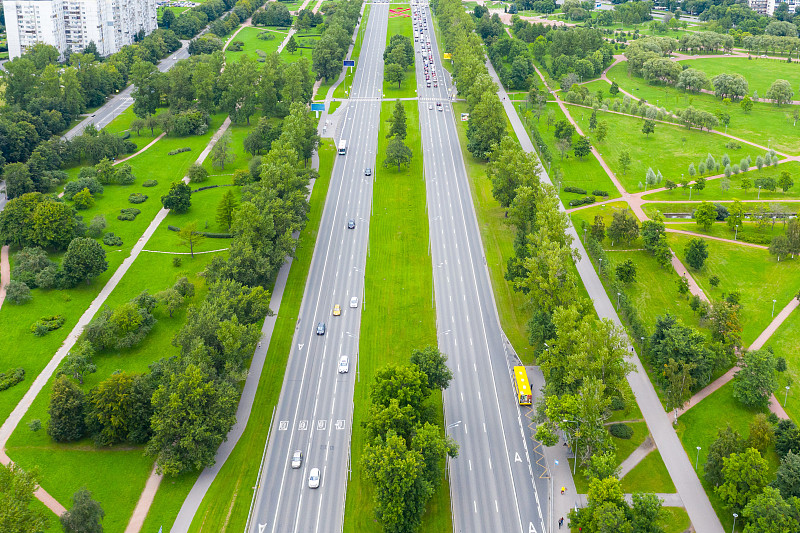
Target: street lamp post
[(690, 192), (735, 516), (759, 192), (697, 461), (575, 463), (601, 265), (773, 308), (584, 235), (736, 232), (618, 295), (787, 396)]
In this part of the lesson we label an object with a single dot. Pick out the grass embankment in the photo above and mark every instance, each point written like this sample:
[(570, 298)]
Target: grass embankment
[(698, 427), (670, 149), (400, 24), (759, 72), (757, 276), (347, 83), (398, 282), (253, 45), (586, 174), (31, 352), (227, 502), (767, 124)]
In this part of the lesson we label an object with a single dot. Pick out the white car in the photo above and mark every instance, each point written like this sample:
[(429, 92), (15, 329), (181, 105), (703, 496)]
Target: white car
[(313, 479), (354, 301), (344, 364), (297, 459)]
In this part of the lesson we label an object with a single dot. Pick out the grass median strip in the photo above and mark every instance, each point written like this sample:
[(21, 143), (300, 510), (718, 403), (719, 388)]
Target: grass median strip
[(398, 315)]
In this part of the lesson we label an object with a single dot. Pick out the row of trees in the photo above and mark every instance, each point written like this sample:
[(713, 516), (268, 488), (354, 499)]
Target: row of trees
[(329, 51), (398, 57), (405, 447)]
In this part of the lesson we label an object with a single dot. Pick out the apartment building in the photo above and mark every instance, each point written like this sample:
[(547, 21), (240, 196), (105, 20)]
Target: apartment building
[(73, 24)]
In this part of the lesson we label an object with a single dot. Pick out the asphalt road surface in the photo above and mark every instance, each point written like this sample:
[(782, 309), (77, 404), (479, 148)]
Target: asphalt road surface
[(315, 409), (492, 479)]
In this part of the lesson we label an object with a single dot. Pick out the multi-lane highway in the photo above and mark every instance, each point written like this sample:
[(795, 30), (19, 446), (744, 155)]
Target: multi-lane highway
[(315, 409), (491, 480)]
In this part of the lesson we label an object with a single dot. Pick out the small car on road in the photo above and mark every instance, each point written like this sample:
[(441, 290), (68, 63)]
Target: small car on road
[(351, 224), (337, 310), (313, 478), (297, 459), (321, 328), (368, 171), (344, 364), (354, 302)]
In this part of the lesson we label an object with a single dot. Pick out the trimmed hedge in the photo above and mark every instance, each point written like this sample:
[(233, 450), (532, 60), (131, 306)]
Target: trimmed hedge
[(576, 190), (46, 324), (218, 235), (180, 151), (621, 431), (598, 192), (582, 201), (150, 183), (11, 377)]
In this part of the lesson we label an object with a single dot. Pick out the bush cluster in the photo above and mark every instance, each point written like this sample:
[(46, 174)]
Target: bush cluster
[(149, 183), (46, 324), (11, 377), (109, 239), (74, 187), (576, 190), (621, 431), (180, 150), (129, 213), (137, 198), (598, 192)]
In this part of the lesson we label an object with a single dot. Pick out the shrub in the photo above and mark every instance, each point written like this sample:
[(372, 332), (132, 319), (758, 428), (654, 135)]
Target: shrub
[(83, 199), (582, 201), (46, 324), (621, 431), (576, 190), (780, 364), (236, 46), (617, 403), (35, 425), (129, 213), (218, 235), (150, 183), (74, 187), (137, 198), (733, 145), (17, 292), (197, 174), (109, 239), (598, 192), (96, 227), (180, 151), (11, 377), (176, 261)]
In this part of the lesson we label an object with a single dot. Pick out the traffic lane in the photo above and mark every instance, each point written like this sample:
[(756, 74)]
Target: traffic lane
[(507, 419)]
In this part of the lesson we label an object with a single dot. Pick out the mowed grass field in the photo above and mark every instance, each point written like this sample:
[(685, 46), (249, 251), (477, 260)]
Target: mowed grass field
[(786, 343), (767, 124), (753, 272), (670, 149), (399, 317), (253, 46), (759, 72), (587, 173)]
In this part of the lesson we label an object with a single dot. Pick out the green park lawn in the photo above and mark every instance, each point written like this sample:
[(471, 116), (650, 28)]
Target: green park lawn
[(766, 124), (498, 244), (602, 86), (650, 475), (228, 498), (713, 189), (399, 318), (759, 72), (586, 174), (753, 272), (670, 149), (651, 209), (65, 468), (241, 159), (747, 232), (253, 46), (699, 426), (32, 353), (408, 87), (786, 343), (676, 520)]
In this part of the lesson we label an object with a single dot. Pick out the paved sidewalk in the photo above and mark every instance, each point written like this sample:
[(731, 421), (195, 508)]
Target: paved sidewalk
[(678, 465), (151, 143), (5, 273), (636, 456), (704, 236), (694, 288), (145, 501)]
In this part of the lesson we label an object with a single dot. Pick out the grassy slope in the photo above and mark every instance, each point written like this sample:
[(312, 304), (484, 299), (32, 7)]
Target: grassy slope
[(586, 174), (249, 36), (32, 353), (228, 499), (398, 282), (760, 73), (670, 149), (753, 272), (699, 426), (763, 124), (408, 89)]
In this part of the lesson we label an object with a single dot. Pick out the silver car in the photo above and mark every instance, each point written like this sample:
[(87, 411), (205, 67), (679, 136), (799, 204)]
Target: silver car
[(344, 364), (297, 459), (313, 479)]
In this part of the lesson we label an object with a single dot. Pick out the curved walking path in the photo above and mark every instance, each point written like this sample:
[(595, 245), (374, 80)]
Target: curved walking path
[(694, 288), (151, 143), (722, 239), (13, 420)]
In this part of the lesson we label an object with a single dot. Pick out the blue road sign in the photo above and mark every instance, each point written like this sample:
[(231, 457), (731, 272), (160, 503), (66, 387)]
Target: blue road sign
[(317, 107), (349, 62)]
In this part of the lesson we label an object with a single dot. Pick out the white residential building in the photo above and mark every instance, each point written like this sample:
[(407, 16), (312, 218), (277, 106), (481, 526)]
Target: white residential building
[(73, 24)]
